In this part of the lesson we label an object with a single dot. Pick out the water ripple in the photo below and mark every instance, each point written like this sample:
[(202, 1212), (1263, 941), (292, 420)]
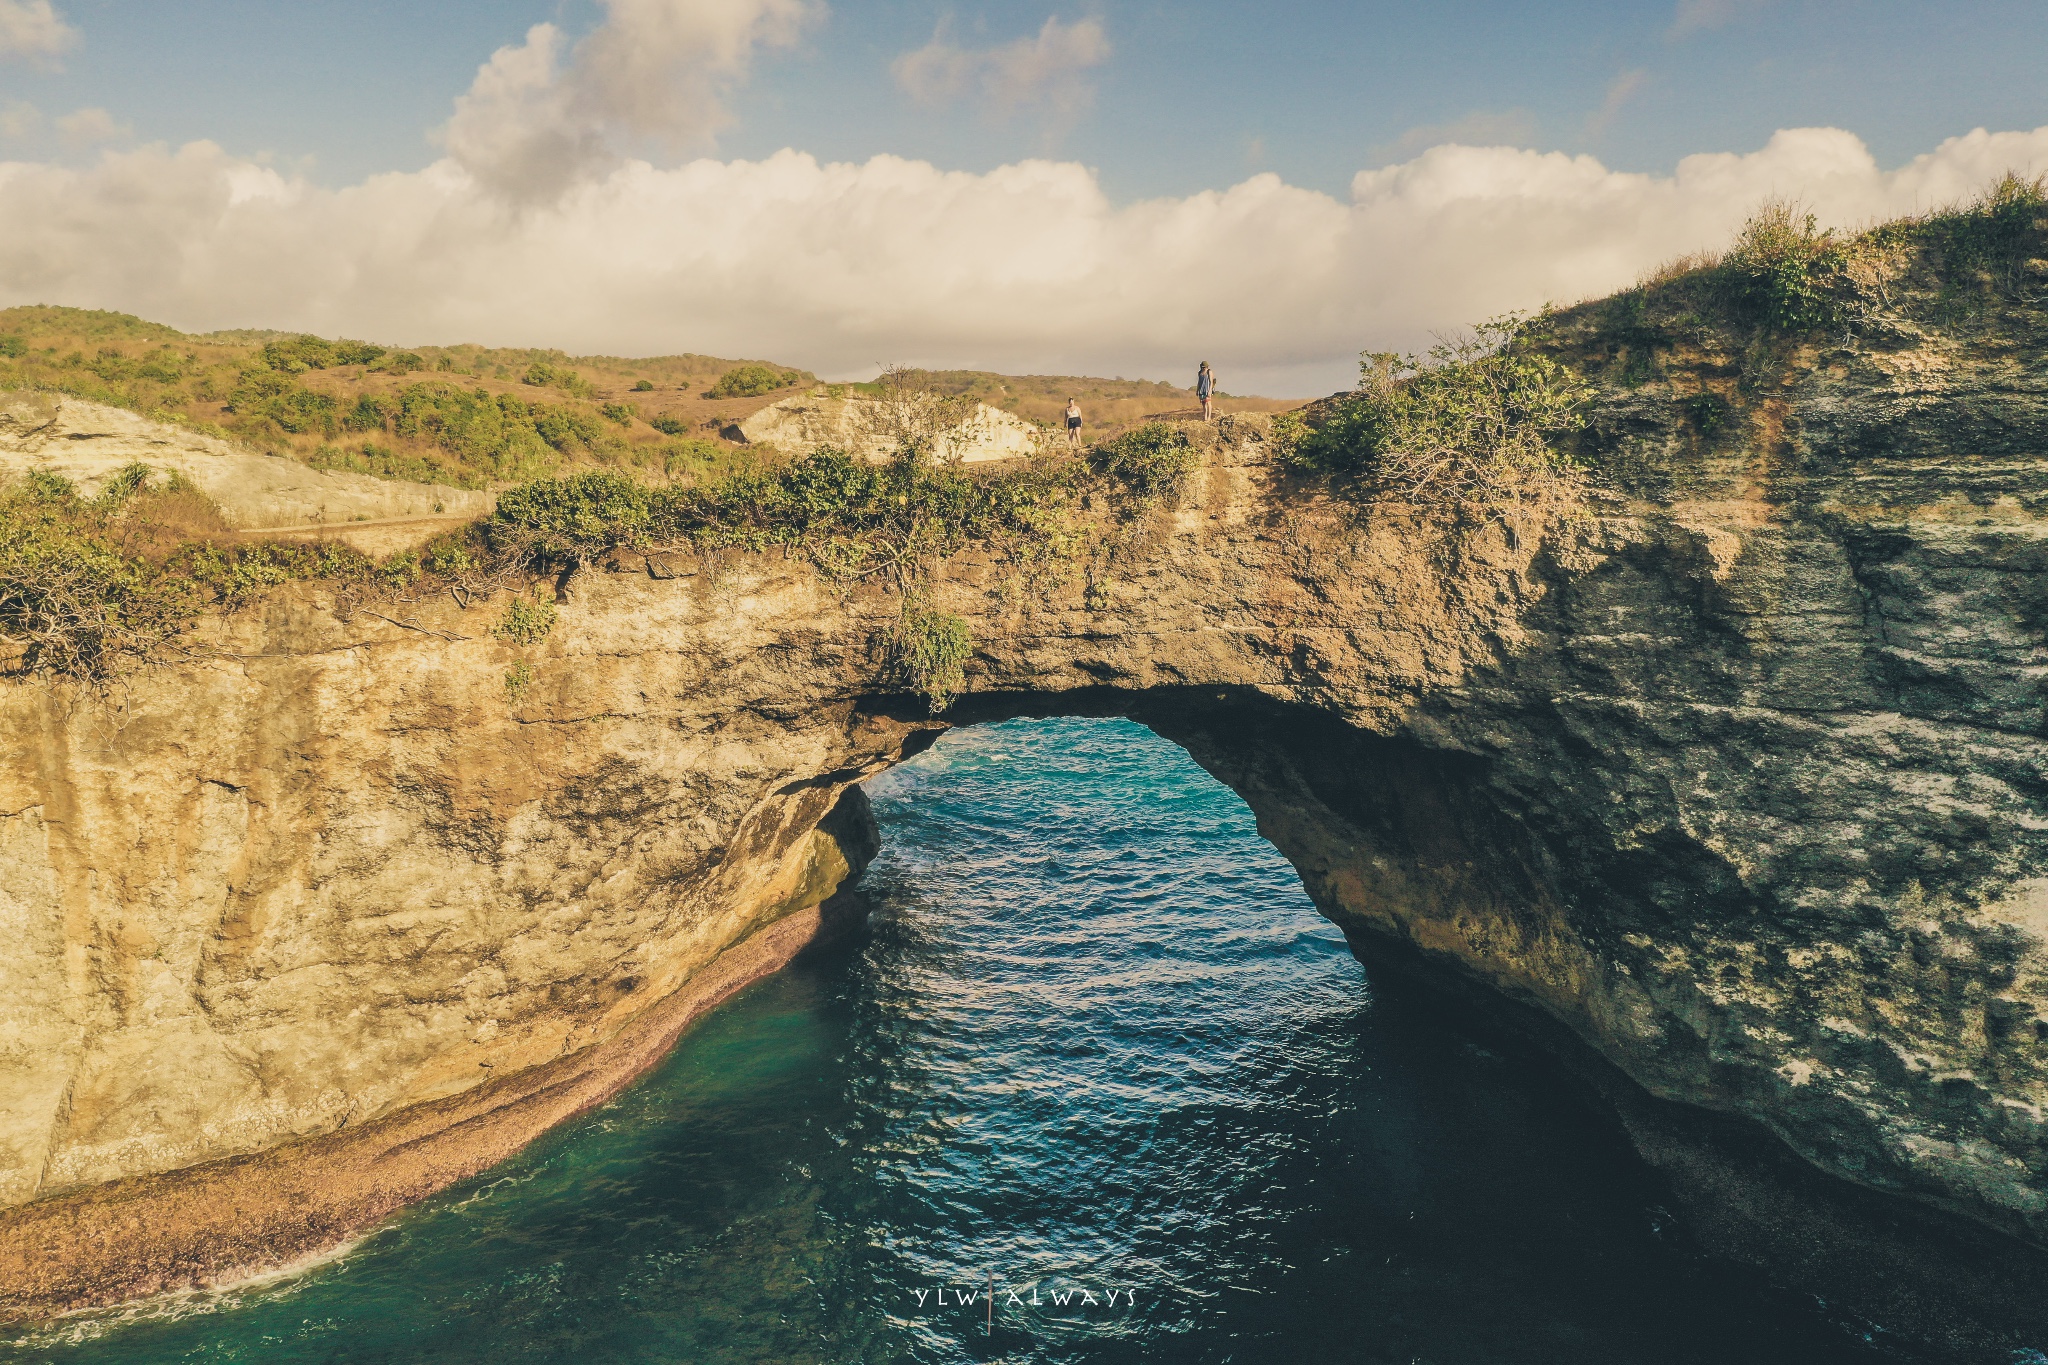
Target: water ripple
[(1097, 1050)]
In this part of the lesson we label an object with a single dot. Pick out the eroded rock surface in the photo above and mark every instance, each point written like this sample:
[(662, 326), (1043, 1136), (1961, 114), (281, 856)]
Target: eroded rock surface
[(1738, 776)]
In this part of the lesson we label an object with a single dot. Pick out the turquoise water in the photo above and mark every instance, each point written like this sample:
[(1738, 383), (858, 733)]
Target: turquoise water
[(1096, 1048)]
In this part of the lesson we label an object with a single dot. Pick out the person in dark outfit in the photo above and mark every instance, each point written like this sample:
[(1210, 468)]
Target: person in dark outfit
[(1205, 387)]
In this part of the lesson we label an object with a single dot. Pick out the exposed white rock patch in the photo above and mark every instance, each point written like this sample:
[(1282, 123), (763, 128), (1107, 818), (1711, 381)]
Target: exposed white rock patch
[(88, 443), (814, 420)]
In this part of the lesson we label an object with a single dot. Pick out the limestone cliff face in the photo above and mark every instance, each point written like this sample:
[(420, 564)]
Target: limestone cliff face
[(1737, 776)]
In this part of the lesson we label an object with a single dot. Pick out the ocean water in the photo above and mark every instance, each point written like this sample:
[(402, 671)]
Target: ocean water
[(1095, 1052)]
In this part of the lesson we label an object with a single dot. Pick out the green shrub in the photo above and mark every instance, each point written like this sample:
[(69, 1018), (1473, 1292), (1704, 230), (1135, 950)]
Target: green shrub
[(503, 436), (163, 368), (382, 462), (752, 381), (622, 413), (644, 386), (527, 620), (449, 556), (111, 365), (572, 521), (543, 374), (930, 649), (518, 678), (691, 456), (563, 427), (404, 362), (12, 347), (1983, 249), (369, 414), (1708, 412), (277, 398), (1786, 269), (1289, 430), (297, 355), (1470, 422), (669, 426), (853, 519), (1153, 461), (849, 518), (72, 602), (236, 572)]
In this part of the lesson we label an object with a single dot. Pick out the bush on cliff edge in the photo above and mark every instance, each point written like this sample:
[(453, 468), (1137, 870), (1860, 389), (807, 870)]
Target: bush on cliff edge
[(74, 601), (1470, 422)]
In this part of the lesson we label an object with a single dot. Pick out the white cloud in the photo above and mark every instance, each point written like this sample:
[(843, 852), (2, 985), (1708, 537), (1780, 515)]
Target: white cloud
[(532, 124), (34, 31), (1697, 16), (1027, 268), (85, 127), (1047, 71)]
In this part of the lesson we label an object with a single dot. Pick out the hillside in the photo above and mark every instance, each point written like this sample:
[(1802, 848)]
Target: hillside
[(470, 416), (466, 416)]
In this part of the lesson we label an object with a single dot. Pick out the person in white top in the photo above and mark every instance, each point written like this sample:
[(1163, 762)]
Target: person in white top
[(1073, 423)]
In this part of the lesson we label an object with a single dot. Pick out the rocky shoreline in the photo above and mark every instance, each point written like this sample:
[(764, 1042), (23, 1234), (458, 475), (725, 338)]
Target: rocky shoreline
[(236, 1219)]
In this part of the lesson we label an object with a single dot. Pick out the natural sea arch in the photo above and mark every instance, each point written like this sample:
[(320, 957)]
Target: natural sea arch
[(1093, 1041), (1632, 779)]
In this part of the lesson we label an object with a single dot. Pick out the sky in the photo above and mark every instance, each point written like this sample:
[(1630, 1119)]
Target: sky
[(1107, 189)]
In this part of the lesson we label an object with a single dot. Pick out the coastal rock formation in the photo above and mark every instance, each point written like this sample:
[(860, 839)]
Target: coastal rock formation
[(1735, 777)]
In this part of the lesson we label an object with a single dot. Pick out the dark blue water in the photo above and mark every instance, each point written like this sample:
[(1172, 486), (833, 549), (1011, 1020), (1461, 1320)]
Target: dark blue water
[(1096, 1049)]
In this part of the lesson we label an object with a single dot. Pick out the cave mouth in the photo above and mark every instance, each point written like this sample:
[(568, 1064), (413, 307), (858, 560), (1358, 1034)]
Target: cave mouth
[(1093, 1039)]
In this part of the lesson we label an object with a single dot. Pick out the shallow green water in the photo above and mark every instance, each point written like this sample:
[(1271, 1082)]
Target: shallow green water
[(1096, 1046)]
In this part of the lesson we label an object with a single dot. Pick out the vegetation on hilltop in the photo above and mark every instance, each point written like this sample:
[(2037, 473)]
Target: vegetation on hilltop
[(469, 416), (466, 416), (1485, 422), (1786, 283)]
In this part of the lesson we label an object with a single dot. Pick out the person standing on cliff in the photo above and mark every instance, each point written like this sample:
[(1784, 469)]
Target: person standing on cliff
[(1073, 424), (1205, 387)]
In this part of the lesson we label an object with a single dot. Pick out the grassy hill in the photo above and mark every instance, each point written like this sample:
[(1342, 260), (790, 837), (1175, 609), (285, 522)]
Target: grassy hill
[(462, 415), (471, 416)]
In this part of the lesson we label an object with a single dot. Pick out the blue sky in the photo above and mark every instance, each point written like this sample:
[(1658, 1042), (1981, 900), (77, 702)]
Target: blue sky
[(1193, 95), (1006, 185)]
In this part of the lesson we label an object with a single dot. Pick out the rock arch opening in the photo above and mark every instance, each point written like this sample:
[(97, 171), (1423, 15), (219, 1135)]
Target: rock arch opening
[(1468, 902), (1094, 1050)]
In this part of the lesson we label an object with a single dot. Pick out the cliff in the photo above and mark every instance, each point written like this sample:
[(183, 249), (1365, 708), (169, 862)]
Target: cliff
[(1734, 779)]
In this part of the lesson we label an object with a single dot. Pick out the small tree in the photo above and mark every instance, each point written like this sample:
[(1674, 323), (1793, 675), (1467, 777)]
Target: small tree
[(913, 423)]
